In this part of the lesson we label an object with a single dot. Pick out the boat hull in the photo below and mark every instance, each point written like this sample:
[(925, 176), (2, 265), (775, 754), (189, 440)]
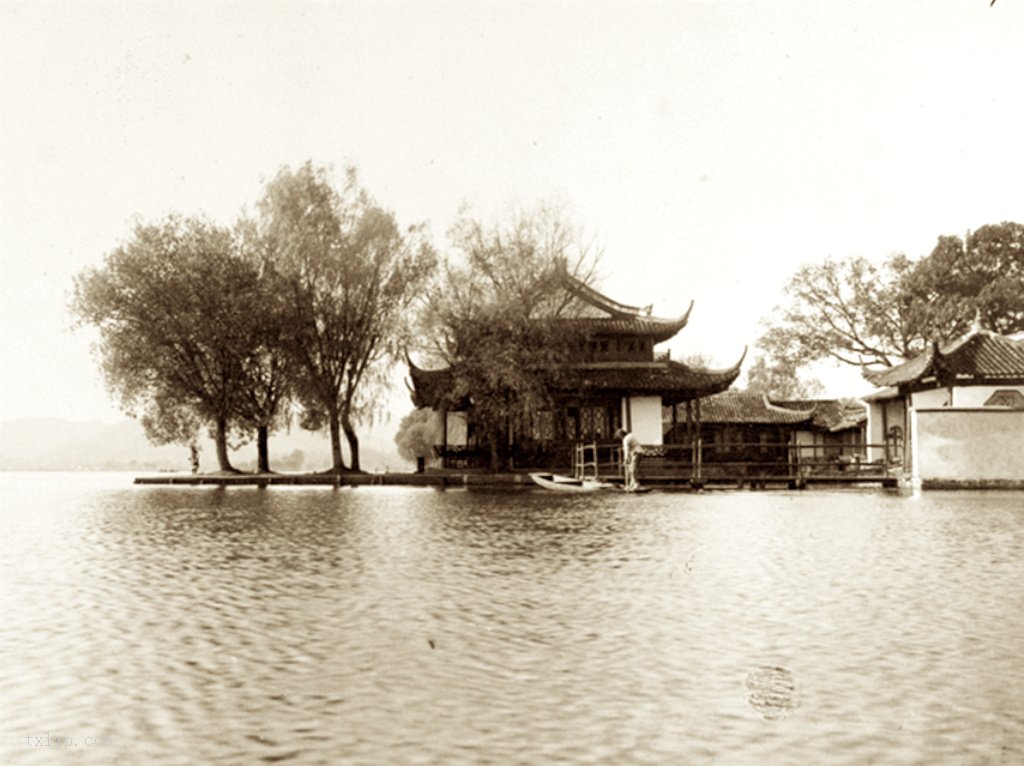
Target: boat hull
[(568, 483)]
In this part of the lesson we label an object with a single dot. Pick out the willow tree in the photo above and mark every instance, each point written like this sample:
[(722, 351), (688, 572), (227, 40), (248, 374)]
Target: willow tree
[(492, 316), (176, 307), (350, 275), (265, 362)]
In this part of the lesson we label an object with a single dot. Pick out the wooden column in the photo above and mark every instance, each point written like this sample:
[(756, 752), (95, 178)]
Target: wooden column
[(689, 436), (700, 456), (444, 438), (885, 432)]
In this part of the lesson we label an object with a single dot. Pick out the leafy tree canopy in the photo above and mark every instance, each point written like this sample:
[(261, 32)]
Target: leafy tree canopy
[(493, 315), (857, 313), (417, 434), (779, 380), (350, 276), (981, 279), (175, 306)]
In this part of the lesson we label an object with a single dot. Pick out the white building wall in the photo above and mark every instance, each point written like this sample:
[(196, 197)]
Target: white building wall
[(967, 446), (958, 396), (976, 396), (874, 429), (806, 440), (436, 431), (458, 430), (645, 418), (936, 397), (883, 414)]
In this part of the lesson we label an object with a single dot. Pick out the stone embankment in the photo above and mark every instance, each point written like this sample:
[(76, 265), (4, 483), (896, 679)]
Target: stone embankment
[(446, 479)]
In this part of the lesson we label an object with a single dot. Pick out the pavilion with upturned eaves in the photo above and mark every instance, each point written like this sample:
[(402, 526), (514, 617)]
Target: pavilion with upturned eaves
[(617, 380)]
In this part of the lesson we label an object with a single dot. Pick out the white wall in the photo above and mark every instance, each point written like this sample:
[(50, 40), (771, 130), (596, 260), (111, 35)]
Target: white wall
[(881, 414), (971, 431), (805, 440), (968, 445), (436, 431), (962, 396), (935, 397), (458, 429), (976, 396), (645, 418)]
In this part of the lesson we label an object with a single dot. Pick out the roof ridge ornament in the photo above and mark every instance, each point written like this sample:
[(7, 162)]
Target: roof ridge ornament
[(976, 322)]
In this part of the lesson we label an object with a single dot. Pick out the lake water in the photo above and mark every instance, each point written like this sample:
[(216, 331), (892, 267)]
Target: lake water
[(384, 625)]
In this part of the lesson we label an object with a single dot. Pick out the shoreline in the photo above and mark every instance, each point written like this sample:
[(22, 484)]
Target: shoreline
[(509, 480), (483, 480)]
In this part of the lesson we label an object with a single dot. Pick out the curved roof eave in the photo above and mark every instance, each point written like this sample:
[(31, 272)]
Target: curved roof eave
[(732, 372), (718, 380), (673, 326), (804, 414), (593, 297), (979, 355), (428, 386), (910, 370)]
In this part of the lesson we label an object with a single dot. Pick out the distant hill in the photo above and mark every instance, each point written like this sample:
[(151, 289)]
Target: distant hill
[(53, 444)]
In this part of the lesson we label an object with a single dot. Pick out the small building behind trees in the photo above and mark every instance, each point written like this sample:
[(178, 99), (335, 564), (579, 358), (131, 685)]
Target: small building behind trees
[(614, 378), (747, 435)]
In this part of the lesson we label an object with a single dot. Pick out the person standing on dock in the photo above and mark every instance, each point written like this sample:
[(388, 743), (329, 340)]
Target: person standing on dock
[(630, 457)]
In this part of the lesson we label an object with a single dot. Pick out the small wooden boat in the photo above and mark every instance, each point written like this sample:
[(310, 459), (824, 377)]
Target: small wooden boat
[(568, 483)]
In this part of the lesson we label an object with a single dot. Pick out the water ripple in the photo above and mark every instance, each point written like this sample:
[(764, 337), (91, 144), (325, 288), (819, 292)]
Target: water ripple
[(416, 626)]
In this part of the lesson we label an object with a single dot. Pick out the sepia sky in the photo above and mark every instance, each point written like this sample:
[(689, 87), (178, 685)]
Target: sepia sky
[(709, 148)]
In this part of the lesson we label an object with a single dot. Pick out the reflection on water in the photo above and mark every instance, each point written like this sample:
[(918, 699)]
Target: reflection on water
[(378, 625)]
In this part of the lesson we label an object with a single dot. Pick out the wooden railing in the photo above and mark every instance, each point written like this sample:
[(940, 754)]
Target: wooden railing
[(744, 463), (755, 463), (702, 463)]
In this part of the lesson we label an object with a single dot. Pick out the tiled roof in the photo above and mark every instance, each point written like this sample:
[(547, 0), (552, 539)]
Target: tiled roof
[(882, 394), (748, 409), (674, 381), (616, 318), (980, 356), (655, 328), (829, 414)]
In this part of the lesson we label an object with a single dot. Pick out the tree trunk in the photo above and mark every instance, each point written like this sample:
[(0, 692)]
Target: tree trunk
[(353, 444), (221, 438), (263, 449), (337, 463)]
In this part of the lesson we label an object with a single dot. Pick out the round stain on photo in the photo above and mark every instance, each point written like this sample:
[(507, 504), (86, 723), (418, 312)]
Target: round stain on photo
[(772, 691)]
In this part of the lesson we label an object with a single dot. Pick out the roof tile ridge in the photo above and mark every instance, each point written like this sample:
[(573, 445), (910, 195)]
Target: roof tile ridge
[(597, 299), (951, 347), (868, 372), (776, 408), (618, 310), (623, 364)]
